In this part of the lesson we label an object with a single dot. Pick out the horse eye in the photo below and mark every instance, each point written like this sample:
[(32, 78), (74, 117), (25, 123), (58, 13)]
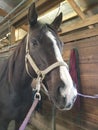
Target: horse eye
[(35, 42)]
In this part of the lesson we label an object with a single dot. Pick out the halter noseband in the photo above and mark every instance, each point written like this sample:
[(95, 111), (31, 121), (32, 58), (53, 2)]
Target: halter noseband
[(40, 73)]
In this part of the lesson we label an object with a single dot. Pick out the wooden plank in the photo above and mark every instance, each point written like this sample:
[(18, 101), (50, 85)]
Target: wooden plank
[(68, 120), (88, 108), (89, 84), (86, 55), (24, 27), (3, 12), (93, 41), (68, 123), (79, 35), (89, 69), (23, 13), (91, 118), (77, 9), (74, 119), (90, 59), (12, 39), (88, 118), (90, 104), (80, 24), (47, 6)]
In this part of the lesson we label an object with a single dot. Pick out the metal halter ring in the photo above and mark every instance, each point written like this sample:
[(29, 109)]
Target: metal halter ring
[(37, 96)]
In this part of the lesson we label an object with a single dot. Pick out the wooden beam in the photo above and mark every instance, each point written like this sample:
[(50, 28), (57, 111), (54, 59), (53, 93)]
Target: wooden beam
[(80, 35), (24, 27), (78, 10), (12, 40), (3, 12), (93, 6), (45, 4), (80, 24)]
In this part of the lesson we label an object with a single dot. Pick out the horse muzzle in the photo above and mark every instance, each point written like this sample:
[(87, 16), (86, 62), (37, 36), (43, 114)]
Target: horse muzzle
[(69, 96)]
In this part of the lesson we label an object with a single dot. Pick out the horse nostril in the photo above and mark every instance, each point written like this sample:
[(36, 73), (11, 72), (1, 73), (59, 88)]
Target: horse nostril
[(69, 105), (61, 88), (74, 99), (61, 84)]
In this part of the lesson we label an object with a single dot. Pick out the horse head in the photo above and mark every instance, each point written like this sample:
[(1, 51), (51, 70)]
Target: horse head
[(45, 49)]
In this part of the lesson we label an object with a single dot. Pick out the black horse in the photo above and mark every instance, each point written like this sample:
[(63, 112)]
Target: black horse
[(45, 48)]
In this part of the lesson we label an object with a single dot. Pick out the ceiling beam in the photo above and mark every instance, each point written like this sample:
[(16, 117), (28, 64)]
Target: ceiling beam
[(25, 28), (80, 24), (12, 36), (78, 10), (80, 35), (42, 7), (3, 12), (45, 6)]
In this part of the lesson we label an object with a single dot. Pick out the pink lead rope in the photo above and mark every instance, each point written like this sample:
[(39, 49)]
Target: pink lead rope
[(37, 98), (23, 126)]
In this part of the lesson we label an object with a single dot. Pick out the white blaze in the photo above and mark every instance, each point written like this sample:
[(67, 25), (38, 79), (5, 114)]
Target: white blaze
[(68, 90)]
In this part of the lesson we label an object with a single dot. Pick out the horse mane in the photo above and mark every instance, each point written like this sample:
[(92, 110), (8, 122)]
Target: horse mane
[(15, 55), (18, 48)]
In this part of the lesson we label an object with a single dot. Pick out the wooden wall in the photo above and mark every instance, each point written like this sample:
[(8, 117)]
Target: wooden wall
[(88, 58), (85, 118)]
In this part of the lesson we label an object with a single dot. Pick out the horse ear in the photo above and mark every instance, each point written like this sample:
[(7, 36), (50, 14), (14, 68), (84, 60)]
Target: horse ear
[(32, 15), (57, 21)]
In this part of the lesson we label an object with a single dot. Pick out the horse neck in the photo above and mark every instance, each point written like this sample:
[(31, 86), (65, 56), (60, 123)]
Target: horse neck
[(17, 71)]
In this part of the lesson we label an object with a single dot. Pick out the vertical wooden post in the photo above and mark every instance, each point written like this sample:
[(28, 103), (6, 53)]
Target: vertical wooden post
[(12, 38)]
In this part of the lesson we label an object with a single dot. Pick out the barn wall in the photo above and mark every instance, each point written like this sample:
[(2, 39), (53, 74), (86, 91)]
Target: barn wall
[(85, 117)]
